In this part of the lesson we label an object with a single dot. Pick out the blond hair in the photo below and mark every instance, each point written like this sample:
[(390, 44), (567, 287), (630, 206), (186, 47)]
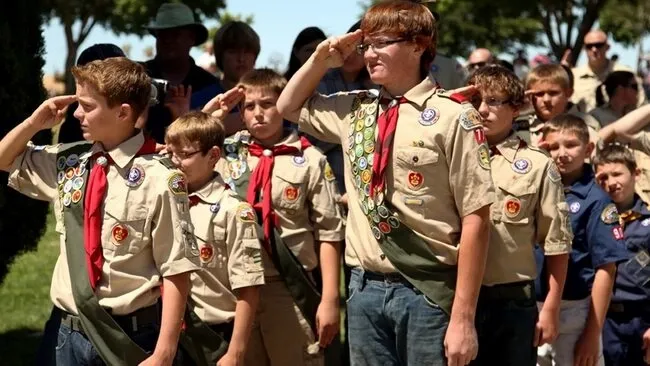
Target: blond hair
[(196, 127), (266, 79), (551, 73)]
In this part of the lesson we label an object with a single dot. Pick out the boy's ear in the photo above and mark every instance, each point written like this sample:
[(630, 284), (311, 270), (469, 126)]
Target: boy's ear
[(215, 153), (636, 174), (590, 149), (568, 92), (125, 112)]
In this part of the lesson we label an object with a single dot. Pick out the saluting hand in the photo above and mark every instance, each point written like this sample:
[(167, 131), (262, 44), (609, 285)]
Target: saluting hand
[(222, 104), (333, 51), (51, 112)]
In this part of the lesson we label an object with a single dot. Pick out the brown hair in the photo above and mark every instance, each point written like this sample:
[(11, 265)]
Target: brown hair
[(196, 127), (235, 35), (119, 80), (264, 79), (407, 19), (567, 123), (496, 78), (551, 73), (615, 153)]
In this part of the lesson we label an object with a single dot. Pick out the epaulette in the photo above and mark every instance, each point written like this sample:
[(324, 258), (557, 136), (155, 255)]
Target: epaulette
[(167, 162), (535, 148), (75, 147), (456, 97)]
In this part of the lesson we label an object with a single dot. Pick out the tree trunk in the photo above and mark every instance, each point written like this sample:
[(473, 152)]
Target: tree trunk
[(70, 61)]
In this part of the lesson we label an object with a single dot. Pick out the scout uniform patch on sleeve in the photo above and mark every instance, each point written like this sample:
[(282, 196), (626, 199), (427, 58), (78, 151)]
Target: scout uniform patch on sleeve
[(328, 173), (484, 156), (177, 184), (554, 173), (470, 118), (245, 213), (609, 214)]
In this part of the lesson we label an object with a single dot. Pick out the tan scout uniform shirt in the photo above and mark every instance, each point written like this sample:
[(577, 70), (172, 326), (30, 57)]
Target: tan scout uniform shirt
[(455, 181), (604, 115), (303, 200), (530, 208), (586, 82), (152, 213), (533, 134), (230, 251)]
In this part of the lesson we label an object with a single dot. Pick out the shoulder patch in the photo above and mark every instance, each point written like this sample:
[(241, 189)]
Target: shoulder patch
[(553, 173), (470, 118), (328, 173), (177, 184), (246, 213), (609, 214)]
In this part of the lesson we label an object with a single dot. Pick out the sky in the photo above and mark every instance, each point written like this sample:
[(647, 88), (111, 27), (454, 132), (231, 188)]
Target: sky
[(277, 23)]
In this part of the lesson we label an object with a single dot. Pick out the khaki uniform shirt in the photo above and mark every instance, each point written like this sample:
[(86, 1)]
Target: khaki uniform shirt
[(586, 82), (604, 115), (447, 72), (228, 235), (435, 142), (146, 232), (531, 132), (530, 208), (304, 201)]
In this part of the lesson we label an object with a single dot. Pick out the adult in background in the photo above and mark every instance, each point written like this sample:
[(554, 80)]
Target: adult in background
[(479, 58), (302, 48), (621, 90), (589, 76), (176, 31)]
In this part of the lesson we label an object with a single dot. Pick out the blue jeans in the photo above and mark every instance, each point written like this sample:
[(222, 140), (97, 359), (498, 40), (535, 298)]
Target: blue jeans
[(623, 337), (392, 323), (74, 348)]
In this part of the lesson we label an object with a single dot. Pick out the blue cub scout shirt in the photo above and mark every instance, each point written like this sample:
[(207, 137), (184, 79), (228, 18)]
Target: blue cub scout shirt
[(633, 274), (597, 238)]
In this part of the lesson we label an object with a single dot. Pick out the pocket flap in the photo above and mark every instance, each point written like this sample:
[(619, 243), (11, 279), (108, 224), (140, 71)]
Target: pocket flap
[(417, 156)]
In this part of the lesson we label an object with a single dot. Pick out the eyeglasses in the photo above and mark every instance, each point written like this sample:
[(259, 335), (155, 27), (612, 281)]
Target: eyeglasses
[(477, 65), (597, 45), (377, 45), (181, 156), (490, 102)]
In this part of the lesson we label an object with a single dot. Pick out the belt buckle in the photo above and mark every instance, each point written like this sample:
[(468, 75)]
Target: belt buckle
[(393, 278)]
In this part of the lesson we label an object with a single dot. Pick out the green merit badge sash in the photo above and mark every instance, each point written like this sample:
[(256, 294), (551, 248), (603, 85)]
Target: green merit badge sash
[(408, 252), (201, 342), (301, 287), (113, 345)]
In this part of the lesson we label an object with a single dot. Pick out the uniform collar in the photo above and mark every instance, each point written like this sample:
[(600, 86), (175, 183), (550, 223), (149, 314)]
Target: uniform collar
[(584, 71), (582, 186), (509, 146), (640, 206), (212, 191), (290, 139), (124, 152), (420, 93)]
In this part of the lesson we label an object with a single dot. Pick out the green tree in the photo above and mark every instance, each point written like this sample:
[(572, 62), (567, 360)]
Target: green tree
[(79, 17), (226, 17), (627, 21), (22, 219)]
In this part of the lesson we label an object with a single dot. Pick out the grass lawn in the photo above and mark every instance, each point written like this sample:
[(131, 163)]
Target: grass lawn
[(25, 300)]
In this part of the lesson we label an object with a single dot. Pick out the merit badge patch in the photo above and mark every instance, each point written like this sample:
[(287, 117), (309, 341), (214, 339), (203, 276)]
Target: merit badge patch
[(80, 170), (429, 116), (574, 207), (206, 252), (513, 207), (609, 214), (484, 156), (69, 173), (366, 176), (384, 227), (299, 160), (60, 177), (522, 166), (72, 160), (77, 183), (369, 121), (470, 119), (618, 233), (415, 180), (177, 184), (245, 213), (76, 196), (393, 222), (67, 187), (291, 194), (479, 135), (67, 199), (119, 232), (554, 174), (135, 177), (328, 173), (60, 163)]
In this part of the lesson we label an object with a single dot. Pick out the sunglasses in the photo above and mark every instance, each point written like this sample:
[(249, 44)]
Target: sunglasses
[(477, 65), (597, 45)]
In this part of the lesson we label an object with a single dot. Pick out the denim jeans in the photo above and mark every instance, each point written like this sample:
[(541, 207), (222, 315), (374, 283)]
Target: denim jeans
[(392, 323), (74, 348)]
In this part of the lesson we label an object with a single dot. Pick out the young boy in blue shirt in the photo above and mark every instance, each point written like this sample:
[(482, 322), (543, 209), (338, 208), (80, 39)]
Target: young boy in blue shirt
[(626, 333), (597, 247)]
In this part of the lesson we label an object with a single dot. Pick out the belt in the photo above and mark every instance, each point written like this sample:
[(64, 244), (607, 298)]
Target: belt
[(391, 277), (632, 308), (129, 323), (524, 290)]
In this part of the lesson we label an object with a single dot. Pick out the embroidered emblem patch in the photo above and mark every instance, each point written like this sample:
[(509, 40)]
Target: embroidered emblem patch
[(429, 116), (60, 163), (484, 156), (291, 194), (177, 184), (415, 180), (512, 207), (609, 214), (206, 253), (77, 183), (553, 173), (470, 119), (76, 196), (299, 160), (618, 233), (135, 177), (119, 232), (67, 199), (69, 173), (72, 160), (245, 213), (574, 207), (522, 166), (328, 173), (479, 135)]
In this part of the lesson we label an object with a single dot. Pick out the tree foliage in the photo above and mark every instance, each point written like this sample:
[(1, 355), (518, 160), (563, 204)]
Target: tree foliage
[(22, 219), (226, 17), (121, 16), (628, 21)]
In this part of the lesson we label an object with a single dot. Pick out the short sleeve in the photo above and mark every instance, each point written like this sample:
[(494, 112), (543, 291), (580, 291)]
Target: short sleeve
[(245, 266), (34, 172), (323, 116), (324, 211), (606, 244), (553, 227)]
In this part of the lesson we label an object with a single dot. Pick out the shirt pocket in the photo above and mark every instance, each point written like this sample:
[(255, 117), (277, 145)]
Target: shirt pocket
[(518, 203), (289, 190), (213, 252), (414, 168), (124, 233)]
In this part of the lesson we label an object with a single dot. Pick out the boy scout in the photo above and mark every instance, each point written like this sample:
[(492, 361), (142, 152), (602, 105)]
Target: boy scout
[(550, 88), (122, 217), (626, 334), (596, 248), (419, 188), (224, 293), (292, 186), (529, 209)]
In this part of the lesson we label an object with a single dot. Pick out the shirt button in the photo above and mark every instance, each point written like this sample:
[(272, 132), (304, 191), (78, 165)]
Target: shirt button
[(382, 256), (267, 152), (415, 159)]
